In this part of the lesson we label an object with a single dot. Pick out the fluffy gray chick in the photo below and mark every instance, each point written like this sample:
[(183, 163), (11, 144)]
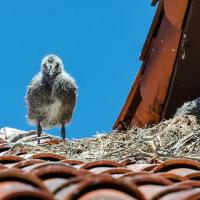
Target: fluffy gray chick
[(190, 108), (51, 96)]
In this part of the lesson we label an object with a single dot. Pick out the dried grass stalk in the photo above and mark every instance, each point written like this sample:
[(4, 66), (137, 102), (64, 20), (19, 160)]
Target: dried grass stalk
[(177, 137)]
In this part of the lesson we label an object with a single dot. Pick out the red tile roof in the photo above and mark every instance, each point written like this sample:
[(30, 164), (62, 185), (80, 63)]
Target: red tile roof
[(104, 179), (45, 175)]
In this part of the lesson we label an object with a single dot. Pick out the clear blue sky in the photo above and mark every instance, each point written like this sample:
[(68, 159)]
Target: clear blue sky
[(99, 42)]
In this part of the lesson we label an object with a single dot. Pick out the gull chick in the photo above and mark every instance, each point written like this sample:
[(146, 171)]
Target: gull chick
[(190, 108), (51, 96)]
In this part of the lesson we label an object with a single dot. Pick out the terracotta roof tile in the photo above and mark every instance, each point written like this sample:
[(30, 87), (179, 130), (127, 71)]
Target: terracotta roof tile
[(177, 164), (183, 194), (108, 186), (194, 176), (100, 179), (101, 163), (56, 177), (148, 179), (10, 159), (17, 190), (132, 174), (48, 156), (72, 162), (173, 177), (25, 163)]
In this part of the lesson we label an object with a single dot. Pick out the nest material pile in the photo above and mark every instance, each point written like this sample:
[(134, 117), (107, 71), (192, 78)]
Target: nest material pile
[(178, 137)]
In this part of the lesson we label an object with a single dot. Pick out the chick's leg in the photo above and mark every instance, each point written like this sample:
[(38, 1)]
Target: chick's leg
[(39, 131), (63, 131)]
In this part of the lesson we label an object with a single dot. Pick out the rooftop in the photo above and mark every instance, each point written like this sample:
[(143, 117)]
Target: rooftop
[(138, 164), (52, 176)]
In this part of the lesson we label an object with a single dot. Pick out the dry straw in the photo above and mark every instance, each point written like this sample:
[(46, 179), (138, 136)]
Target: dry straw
[(175, 138)]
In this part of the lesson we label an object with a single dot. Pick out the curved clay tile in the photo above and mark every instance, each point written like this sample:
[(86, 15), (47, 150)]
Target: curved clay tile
[(58, 180), (98, 183), (182, 171), (99, 170), (72, 162), (176, 163), (19, 176), (26, 163), (106, 194), (10, 159), (182, 195), (101, 163), (189, 183), (116, 171), (194, 176), (157, 191), (148, 179), (166, 190), (132, 174), (48, 156), (45, 164), (16, 190), (173, 177), (54, 183), (55, 171)]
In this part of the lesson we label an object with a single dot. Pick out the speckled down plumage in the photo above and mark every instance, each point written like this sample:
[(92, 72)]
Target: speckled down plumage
[(51, 95), (190, 108)]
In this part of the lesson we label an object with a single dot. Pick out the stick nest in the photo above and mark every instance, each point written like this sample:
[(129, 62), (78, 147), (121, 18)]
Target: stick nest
[(175, 138)]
